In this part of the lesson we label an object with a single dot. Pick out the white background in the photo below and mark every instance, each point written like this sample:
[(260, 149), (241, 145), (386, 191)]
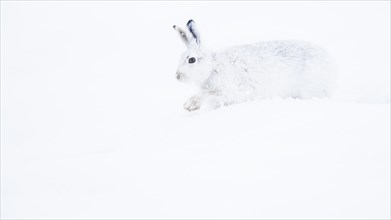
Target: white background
[(92, 124)]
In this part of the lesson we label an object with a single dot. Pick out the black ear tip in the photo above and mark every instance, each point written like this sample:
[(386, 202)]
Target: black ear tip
[(190, 21), (174, 26)]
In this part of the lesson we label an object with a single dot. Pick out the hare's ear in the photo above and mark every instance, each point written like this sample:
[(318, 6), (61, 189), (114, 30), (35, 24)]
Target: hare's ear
[(194, 31), (182, 34)]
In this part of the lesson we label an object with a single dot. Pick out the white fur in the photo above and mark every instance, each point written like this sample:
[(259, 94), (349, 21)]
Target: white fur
[(268, 69)]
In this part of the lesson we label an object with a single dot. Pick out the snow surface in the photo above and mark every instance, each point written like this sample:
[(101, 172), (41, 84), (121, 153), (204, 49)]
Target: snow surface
[(92, 123)]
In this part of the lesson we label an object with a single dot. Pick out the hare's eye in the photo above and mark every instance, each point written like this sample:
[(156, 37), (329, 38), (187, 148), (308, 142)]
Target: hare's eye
[(192, 60)]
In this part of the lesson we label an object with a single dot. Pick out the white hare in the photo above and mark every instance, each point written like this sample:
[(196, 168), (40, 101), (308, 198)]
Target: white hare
[(267, 69)]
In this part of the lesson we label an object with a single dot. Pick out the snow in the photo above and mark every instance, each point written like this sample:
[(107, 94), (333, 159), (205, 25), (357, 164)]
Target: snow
[(93, 125)]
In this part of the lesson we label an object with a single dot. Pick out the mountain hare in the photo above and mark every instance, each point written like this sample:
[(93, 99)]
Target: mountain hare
[(262, 70)]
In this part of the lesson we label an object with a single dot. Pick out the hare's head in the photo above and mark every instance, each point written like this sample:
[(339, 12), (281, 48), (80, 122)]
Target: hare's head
[(195, 64)]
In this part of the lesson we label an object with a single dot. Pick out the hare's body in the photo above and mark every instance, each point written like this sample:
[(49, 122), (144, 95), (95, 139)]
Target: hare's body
[(276, 68), (262, 70)]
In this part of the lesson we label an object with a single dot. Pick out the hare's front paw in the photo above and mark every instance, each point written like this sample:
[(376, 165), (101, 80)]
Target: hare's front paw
[(192, 104)]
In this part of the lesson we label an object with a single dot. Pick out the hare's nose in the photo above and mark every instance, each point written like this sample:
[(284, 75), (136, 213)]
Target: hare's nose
[(179, 75)]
